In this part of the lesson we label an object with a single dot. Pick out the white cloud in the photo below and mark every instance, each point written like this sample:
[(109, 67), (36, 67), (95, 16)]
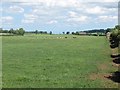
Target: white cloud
[(64, 11), (96, 10), (7, 19), (68, 3), (27, 21), (107, 18), (40, 11), (76, 17), (15, 9), (29, 18), (79, 19), (101, 1), (110, 0), (1, 9), (72, 14), (51, 5), (50, 1), (52, 22)]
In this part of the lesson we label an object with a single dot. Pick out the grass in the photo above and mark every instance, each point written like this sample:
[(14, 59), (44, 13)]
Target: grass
[(0, 62), (42, 61)]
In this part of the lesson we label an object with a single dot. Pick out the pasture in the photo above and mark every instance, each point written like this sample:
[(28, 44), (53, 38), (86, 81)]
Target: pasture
[(42, 61)]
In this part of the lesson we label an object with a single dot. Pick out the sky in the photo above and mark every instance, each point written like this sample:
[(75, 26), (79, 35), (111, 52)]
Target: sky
[(58, 15)]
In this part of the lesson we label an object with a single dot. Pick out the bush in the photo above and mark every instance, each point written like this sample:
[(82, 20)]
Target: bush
[(114, 45), (94, 35), (114, 38)]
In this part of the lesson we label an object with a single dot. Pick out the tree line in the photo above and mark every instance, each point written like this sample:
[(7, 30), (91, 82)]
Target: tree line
[(95, 32), (19, 31), (39, 32)]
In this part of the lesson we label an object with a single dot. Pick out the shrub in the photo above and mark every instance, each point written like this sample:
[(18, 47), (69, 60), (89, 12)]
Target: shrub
[(114, 38)]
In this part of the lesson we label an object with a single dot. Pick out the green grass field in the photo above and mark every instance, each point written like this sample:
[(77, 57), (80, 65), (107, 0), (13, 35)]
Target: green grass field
[(42, 61)]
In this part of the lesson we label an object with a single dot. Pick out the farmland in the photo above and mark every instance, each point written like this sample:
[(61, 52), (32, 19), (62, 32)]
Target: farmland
[(42, 61)]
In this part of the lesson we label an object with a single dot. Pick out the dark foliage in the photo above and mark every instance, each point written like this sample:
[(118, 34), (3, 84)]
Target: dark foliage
[(115, 77)]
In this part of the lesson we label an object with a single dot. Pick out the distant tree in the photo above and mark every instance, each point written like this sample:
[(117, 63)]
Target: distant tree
[(50, 32), (63, 32), (36, 32), (67, 32), (21, 31), (45, 32), (41, 32), (73, 33), (5, 31), (108, 29), (11, 31), (77, 33), (16, 32)]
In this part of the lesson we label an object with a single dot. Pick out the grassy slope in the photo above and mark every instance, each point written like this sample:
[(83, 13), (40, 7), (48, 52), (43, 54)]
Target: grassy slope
[(48, 61)]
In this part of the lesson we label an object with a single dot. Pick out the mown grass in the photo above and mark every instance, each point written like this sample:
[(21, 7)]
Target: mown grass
[(0, 62), (41, 61)]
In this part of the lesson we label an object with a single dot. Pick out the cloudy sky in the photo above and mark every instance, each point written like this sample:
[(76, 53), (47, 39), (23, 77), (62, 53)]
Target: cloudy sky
[(58, 15)]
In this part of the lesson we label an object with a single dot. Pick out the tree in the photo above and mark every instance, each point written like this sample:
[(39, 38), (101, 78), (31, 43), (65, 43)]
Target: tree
[(73, 33), (63, 32), (77, 33), (41, 32), (11, 31), (50, 32), (115, 37), (36, 32), (16, 32), (21, 31), (5, 31), (117, 27), (67, 32), (45, 32)]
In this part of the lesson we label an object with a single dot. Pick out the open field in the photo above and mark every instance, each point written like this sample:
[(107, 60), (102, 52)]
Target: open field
[(38, 61)]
